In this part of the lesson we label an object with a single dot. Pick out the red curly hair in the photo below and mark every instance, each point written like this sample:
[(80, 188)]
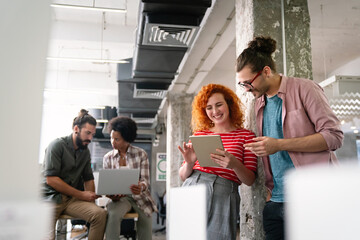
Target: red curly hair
[(200, 121)]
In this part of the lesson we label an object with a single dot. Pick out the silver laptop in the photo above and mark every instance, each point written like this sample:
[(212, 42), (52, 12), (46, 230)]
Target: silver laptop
[(116, 181)]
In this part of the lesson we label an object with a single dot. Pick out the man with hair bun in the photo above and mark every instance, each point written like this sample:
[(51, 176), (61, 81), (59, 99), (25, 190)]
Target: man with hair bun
[(68, 178), (295, 123)]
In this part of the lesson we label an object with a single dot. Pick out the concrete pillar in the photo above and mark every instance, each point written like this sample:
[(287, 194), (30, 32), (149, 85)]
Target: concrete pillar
[(266, 17), (178, 130), (297, 39)]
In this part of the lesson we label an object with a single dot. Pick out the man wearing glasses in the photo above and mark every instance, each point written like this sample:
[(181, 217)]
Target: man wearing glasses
[(294, 121)]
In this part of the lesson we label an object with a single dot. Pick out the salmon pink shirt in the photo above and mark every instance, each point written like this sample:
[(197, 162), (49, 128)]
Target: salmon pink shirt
[(305, 111)]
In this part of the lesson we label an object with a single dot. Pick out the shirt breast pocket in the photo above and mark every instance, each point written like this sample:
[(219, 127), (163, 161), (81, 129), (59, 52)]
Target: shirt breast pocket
[(297, 124)]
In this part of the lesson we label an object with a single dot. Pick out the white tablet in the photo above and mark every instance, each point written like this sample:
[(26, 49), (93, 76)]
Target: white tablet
[(204, 146), (116, 181)]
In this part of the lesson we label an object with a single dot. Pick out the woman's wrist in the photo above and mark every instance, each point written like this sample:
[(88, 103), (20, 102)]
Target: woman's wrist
[(142, 187), (189, 166)]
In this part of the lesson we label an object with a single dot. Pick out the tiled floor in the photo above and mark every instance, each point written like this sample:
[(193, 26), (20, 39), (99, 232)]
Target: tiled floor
[(159, 236), (156, 236), (75, 232)]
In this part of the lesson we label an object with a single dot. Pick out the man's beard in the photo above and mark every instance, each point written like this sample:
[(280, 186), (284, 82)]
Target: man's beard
[(80, 143), (259, 92)]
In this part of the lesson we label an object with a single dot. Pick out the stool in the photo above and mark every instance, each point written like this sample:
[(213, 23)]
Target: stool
[(131, 215), (67, 217), (128, 225)]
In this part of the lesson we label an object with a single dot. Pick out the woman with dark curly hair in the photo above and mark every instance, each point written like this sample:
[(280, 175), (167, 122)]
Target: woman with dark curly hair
[(123, 133), (216, 111)]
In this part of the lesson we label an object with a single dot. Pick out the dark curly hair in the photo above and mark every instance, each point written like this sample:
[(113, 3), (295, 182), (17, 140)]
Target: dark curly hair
[(200, 120), (257, 55), (125, 126)]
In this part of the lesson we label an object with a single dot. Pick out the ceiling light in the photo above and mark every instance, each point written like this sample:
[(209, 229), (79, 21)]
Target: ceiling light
[(93, 60), (352, 127), (117, 10), (102, 120), (356, 131)]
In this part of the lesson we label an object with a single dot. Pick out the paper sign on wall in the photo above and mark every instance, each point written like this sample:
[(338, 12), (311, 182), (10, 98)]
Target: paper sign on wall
[(161, 167)]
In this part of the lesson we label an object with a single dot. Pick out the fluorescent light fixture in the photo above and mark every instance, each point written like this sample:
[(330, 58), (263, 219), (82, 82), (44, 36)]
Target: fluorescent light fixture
[(101, 9), (352, 127), (102, 120), (93, 60), (356, 131)]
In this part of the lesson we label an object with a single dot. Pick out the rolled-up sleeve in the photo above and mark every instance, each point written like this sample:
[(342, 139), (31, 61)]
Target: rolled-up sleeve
[(324, 119)]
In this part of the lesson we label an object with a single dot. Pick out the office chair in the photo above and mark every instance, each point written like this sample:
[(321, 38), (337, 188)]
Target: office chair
[(161, 214)]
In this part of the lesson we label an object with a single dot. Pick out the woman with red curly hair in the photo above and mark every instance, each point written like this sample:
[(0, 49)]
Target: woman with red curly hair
[(216, 111)]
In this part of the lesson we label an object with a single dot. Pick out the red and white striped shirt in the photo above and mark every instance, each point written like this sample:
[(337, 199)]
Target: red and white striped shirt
[(233, 143)]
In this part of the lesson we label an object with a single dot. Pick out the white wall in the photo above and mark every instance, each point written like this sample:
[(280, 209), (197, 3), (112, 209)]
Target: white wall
[(351, 68), (72, 85)]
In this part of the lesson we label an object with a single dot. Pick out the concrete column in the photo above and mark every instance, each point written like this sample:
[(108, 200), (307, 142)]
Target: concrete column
[(266, 17), (297, 39), (178, 130)]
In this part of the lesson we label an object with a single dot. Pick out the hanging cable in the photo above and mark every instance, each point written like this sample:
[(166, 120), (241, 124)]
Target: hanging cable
[(103, 27)]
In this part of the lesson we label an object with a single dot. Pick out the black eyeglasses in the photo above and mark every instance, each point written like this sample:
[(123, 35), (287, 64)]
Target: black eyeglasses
[(249, 84)]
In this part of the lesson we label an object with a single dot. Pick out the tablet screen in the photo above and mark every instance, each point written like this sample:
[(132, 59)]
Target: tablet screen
[(204, 146)]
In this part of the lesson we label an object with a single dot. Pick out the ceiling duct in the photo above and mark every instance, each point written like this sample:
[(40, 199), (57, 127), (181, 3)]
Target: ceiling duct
[(139, 95), (169, 35), (150, 91), (129, 104), (103, 114), (145, 120), (166, 30)]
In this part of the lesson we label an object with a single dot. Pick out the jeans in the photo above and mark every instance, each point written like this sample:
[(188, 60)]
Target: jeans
[(273, 221), (116, 212)]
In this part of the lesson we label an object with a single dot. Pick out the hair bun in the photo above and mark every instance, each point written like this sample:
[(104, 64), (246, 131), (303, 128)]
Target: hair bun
[(83, 112), (263, 44)]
